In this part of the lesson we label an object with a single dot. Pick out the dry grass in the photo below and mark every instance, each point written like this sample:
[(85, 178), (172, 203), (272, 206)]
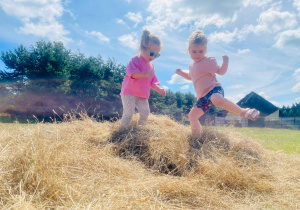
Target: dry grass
[(84, 164)]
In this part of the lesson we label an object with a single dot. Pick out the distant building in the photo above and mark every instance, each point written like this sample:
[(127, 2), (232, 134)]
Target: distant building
[(267, 109), (253, 100)]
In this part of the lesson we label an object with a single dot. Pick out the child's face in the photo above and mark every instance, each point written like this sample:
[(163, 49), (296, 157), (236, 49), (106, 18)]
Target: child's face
[(197, 52), (154, 49)]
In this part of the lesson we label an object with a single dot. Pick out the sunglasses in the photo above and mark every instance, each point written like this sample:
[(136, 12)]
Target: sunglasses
[(156, 55)]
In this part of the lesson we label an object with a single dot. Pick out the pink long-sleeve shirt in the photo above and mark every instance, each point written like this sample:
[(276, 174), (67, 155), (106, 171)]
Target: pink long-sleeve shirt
[(203, 75), (140, 86)]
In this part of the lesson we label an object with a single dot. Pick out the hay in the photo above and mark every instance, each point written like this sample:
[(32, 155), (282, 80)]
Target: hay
[(84, 164)]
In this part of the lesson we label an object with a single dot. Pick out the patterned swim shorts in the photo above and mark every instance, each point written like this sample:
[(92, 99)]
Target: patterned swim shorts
[(205, 103)]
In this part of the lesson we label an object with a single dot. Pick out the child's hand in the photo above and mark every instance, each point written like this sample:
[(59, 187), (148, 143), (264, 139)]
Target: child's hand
[(162, 92), (178, 71), (225, 58), (224, 67), (149, 73)]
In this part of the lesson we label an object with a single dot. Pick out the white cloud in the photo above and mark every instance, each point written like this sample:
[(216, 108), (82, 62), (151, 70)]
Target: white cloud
[(289, 38), (129, 40), (236, 98), (120, 21), (40, 17), (165, 87), (258, 3), (225, 37), (185, 87), (135, 17), (276, 103), (47, 10), (178, 14), (264, 95), (169, 14), (215, 19), (178, 80), (80, 43), (98, 35), (296, 88), (244, 51), (236, 86), (297, 74), (297, 5), (57, 31), (272, 21)]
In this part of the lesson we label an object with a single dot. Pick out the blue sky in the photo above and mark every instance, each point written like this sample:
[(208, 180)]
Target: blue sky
[(261, 37)]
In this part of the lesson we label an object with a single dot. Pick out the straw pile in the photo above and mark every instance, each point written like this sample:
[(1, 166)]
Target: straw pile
[(84, 164)]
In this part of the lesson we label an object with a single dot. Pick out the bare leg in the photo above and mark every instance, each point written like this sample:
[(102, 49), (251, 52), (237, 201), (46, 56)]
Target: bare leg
[(194, 116), (218, 100)]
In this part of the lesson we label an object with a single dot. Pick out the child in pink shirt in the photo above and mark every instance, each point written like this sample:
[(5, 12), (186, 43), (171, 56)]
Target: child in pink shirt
[(202, 72), (140, 77)]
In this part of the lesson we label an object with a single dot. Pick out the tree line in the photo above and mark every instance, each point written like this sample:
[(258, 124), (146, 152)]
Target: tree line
[(48, 80), (290, 111)]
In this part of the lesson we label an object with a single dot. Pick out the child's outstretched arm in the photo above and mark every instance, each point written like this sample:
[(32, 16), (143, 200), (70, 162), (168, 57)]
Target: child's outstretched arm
[(224, 67), (159, 90), (183, 74), (138, 75)]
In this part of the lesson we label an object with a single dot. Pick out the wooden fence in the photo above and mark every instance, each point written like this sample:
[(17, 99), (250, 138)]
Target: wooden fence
[(268, 122)]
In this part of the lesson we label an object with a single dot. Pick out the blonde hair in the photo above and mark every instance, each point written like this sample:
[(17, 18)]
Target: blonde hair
[(198, 38), (147, 39)]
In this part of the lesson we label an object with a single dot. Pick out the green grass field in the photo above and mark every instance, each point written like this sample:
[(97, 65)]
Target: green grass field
[(285, 140)]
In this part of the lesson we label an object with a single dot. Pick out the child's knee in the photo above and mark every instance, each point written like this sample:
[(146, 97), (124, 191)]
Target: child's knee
[(195, 114), (192, 117), (145, 112), (128, 113)]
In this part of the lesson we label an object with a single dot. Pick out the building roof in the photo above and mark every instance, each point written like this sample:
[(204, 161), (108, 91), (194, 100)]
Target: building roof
[(253, 100)]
